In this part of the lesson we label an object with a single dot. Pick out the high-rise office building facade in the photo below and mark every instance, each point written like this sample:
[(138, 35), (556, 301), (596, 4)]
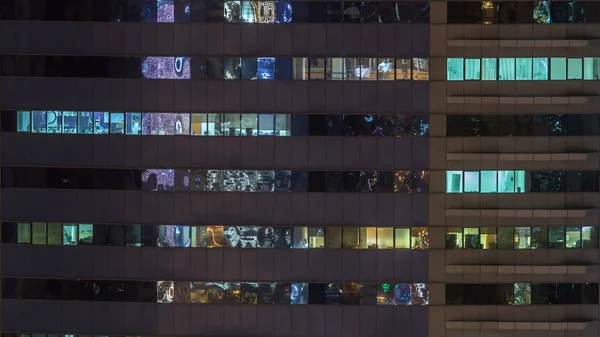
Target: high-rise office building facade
[(302, 168)]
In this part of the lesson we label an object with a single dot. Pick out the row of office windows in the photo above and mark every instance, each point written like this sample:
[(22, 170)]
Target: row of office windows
[(216, 236), (213, 124), (216, 180), (521, 181), (522, 125), (170, 11), (521, 237), (522, 294), (349, 293), (542, 12), (227, 68), (523, 69)]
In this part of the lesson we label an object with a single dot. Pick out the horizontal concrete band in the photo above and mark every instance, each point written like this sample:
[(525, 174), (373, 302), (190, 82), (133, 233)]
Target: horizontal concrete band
[(522, 43), (486, 325), (521, 213), (518, 100), (520, 156), (514, 269)]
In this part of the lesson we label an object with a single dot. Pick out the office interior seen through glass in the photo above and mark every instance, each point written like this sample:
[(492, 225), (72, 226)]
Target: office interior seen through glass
[(541, 125), (216, 236), (213, 124), (542, 12), (206, 180), (522, 294), (200, 292), (521, 237), (169, 11), (521, 181), (523, 69), (228, 68)]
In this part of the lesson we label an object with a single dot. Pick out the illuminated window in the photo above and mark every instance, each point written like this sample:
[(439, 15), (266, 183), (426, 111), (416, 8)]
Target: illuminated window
[(173, 236), (522, 238), (419, 238), (214, 237), (316, 237), (540, 68), (589, 237), (489, 69), (385, 238), (471, 179), (489, 181), (454, 238), (558, 68), (339, 68), (23, 121), (386, 69), (488, 238), (402, 238), (86, 234), (133, 123), (420, 68), (454, 182), (556, 237), (472, 69), (455, 69), (573, 237), (403, 69), (591, 68), (117, 123), (70, 234), (471, 238), (86, 122), (199, 236), (539, 237), (23, 232), (524, 69), (506, 70), (575, 68), (38, 231)]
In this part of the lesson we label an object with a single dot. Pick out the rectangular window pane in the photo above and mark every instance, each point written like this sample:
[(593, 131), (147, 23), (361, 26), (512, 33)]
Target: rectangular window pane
[(524, 69), (385, 69), (539, 237), (471, 181), (23, 121), (350, 238), (488, 238), (69, 234), (505, 238), (117, 123), (300, 237), (38, 236), (489, 181), (316, 237), (198, 236), (556, 237), (419, 238), (86, 234), (506, 181), (214, 237), (454, 181), (282, 125), (455, 69), (454, 238), (522, 238), (55, 234), (385, 238), (472, 69), (471, 238), (133, 123), (402, 238), (489, 69), (591, 68), (38, 121), (249, 125), (558, 68), (336, 69), (573, 237), (333, 237), (507, 69), (589, 237), (23, 232), (575, 68), (420, 68), (540, 68), (403, 69), (266, 124)]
